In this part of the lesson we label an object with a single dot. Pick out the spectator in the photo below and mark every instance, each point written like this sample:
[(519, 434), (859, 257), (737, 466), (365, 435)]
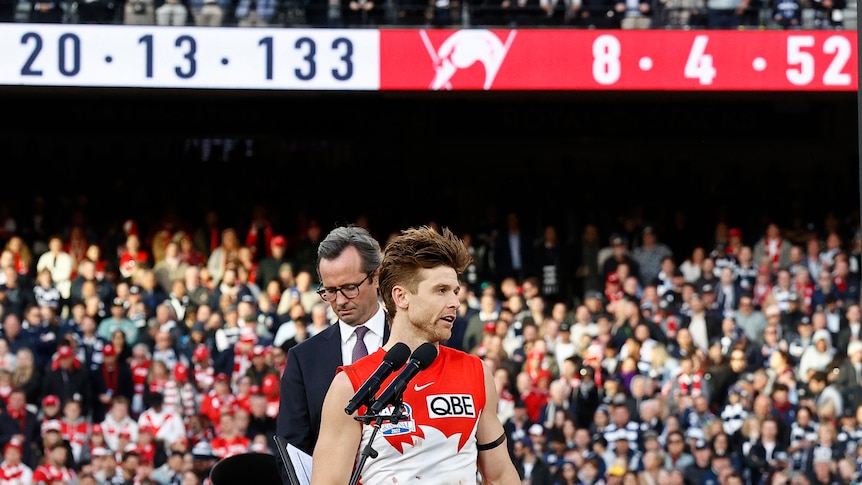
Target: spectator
[(67, 380), (171, 471), (228, 250), (166, 424), (270, 263), (117, 422), (816, 357), (21, 425), (172, 12), (13, 468), (651, 252), (133, 255), (110, 379), (117, 321), (54, 469)]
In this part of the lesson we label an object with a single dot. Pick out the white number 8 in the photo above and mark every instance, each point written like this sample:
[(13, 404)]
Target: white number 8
[(606, 59)]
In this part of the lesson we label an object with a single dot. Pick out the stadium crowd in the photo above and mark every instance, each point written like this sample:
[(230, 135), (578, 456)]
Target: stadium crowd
[(632, 355), (583, 14)]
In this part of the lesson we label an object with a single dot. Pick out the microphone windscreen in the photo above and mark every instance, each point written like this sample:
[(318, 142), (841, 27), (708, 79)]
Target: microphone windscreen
[(398, 355), (425, 355)]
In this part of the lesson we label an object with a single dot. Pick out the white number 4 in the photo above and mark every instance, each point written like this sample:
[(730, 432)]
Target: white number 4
[(699, 65)]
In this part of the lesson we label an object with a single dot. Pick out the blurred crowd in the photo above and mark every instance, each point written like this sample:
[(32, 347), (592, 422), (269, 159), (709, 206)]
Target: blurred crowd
[(737, 362), (144, 353), (584, 14)]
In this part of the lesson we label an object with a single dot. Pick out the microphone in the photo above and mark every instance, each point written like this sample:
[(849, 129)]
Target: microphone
[(420, 360), (392, 361)]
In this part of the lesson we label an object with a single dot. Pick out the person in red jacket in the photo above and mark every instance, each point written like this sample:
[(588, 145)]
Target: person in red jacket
[(228, 442), (54, 469), (218, 399), (74, 428), (12, 469)]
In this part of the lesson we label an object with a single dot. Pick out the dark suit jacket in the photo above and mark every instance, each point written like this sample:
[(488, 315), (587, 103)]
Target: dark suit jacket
[(757, 460), (100, 386), (311, 365)]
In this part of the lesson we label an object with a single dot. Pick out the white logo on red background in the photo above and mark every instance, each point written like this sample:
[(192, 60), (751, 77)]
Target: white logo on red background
[(464, 48)]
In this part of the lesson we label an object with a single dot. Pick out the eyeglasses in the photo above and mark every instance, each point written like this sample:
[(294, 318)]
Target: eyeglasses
[(350, 290)]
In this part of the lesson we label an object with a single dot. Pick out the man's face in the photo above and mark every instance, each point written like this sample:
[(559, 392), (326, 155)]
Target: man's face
[(346, 269), (66, 362), (58, 455), (131, 464), (12, 455), (432, 309), (17, 401)]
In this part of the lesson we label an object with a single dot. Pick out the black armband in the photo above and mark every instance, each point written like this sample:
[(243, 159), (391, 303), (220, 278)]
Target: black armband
[(490, 446)]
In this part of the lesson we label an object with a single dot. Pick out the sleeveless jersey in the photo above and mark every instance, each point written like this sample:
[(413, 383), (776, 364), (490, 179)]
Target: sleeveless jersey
[(436, 442)]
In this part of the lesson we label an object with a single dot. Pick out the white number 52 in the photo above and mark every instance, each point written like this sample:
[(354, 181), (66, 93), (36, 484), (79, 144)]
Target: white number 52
[(803, 74)]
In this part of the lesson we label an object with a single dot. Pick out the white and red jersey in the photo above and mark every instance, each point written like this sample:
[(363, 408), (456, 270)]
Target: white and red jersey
[(147, 453), (272, 403), (112, 428), (181, 397), (436, 441), (204, 377), (19, 474), (167, 425), (77, 433), (244, 402), (157, 385), (48, 474), (213, 404), (225, 447), (140, 371), (241, 364)]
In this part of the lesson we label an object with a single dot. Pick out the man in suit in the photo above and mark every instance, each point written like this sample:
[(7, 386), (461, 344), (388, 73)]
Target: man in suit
[(850, 375), (348, 261)]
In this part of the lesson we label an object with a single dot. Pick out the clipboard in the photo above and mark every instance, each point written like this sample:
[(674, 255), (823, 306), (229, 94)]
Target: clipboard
[(297, 463)]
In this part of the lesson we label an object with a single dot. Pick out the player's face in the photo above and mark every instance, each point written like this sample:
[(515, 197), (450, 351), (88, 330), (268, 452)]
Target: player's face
[(432, 309)]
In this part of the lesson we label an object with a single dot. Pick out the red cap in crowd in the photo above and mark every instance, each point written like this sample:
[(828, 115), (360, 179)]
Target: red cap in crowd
[(279, 241), (201, 352), (248, 336), (270, 384), (50, 400), (15, 444), (181, 372), (109, 351), (65, 351), (51, 425)]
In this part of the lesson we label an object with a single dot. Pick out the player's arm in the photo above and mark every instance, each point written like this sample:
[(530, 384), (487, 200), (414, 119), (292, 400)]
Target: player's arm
[(340, 436), (494, 463)]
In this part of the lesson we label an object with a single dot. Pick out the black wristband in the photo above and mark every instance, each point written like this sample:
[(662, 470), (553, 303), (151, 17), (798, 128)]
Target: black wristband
[(490, 446)]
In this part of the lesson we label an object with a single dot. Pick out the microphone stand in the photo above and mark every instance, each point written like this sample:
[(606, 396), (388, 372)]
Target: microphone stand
[(378, 420)]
